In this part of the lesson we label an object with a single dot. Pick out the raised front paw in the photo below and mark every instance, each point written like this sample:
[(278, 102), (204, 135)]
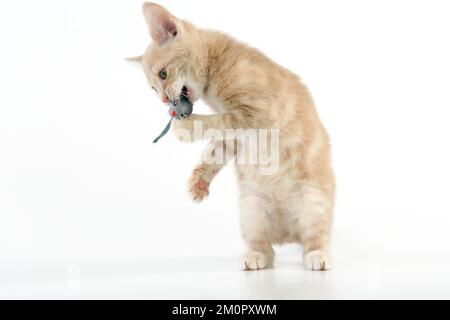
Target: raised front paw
[(198, 187)]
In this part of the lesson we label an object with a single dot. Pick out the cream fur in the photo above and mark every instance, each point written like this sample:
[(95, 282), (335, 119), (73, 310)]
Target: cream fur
[(248, 90)]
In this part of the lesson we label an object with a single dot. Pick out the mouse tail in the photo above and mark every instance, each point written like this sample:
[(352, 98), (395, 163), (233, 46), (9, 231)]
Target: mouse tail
[(163, 133)]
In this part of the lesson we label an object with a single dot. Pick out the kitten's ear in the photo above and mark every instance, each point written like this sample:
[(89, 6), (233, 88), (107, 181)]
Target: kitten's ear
[(135, 59), (161, 23)]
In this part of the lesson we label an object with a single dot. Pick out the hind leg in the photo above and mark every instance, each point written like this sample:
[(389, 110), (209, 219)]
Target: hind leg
[(255, 227), (260, 256), (315, 228)]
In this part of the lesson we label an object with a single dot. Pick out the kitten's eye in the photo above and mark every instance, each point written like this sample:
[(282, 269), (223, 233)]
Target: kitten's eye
[(155, 89), (163, 74)]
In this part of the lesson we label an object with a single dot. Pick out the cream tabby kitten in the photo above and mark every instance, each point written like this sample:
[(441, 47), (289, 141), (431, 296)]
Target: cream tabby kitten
[(248, 90)]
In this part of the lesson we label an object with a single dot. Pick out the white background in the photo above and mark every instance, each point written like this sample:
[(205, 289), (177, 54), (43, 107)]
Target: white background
[(90, 208)]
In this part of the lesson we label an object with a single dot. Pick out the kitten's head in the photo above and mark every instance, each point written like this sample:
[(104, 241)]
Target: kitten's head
[(174, 61)]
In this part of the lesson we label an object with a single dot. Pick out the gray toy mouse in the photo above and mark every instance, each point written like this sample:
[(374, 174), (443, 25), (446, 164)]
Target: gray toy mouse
[(180, 109)]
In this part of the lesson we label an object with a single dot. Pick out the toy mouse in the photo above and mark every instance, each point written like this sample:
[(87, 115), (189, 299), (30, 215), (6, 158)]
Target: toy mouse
[(180, 109)]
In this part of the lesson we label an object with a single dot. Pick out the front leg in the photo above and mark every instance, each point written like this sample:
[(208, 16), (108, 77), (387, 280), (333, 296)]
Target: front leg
[(200, 127), (198, 185), (315, 218), (204, 172)]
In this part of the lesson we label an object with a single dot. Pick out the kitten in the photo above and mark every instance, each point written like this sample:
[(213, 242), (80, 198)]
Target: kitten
[(248, 90)]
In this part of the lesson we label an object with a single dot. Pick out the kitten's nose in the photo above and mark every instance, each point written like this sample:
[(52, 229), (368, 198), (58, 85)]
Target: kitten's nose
[(166, 99)]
